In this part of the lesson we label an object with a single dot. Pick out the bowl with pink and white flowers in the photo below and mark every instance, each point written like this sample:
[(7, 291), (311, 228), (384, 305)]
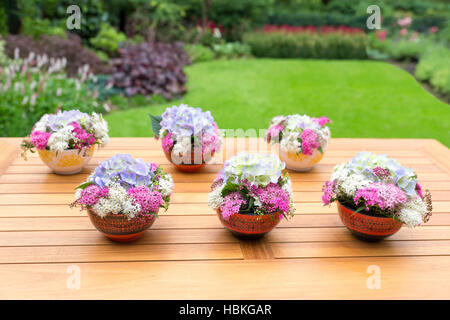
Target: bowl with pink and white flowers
[(123, 196), (189, 136), (376, 196), (302, 139), (66, 141), (251, 194)]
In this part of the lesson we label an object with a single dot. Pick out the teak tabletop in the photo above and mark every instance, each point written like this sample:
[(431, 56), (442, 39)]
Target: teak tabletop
[(187, 254)]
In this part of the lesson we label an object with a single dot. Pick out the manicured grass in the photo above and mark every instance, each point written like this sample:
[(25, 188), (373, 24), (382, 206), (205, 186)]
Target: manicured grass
[(363, 98)]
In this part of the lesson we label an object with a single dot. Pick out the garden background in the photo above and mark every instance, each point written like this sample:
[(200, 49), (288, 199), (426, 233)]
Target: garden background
[(245, 60)]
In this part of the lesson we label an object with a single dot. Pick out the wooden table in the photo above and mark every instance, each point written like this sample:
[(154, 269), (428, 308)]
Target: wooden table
[(187, 254)]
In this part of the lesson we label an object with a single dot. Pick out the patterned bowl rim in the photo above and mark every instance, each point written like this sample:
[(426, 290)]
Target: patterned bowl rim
[(364, 213)]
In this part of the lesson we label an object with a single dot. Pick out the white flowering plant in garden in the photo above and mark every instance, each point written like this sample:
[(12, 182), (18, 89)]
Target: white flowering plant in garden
[(183, 130), (67, 130), (124, 185), (299, 133), (37, 85), (379, 186), (252, 183)]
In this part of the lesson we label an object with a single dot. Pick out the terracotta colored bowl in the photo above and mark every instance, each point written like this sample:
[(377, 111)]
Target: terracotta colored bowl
[(248, 226), (117, 227), (187, 167), (300, 162), (368, 227), (67, 162)]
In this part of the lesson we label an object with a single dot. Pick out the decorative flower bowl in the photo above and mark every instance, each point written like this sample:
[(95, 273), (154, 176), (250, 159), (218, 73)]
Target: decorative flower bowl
[(367, 227), (65, 141), (123, 196), (67, 162), (252, 194), (248, 226), (189, 136), (376, 195), (302, 140), (119, 228)]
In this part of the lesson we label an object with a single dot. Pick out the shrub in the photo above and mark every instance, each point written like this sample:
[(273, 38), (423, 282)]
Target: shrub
[(151, 69), (38, 27), (108, 40), (57, 47), (231, 50), (4, 60), (37, 85), (199, 53), (307, 45), (434, 67)]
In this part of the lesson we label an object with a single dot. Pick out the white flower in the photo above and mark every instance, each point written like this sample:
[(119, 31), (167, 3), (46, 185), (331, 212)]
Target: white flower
[(215, 198), (59, 140), (290, 142), (166, 185), (182, 146), (100, 127), (352, 183), (117, 202), (413, 212)]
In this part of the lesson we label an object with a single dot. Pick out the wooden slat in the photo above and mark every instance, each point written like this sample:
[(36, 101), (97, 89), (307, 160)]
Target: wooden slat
[(119, 252), (93, 237), (345, 278), (360, 249)]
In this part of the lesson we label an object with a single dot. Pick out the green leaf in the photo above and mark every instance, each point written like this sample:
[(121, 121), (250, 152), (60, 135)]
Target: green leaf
[(156, 126), (83, 185), (228, 188), (320, 149)]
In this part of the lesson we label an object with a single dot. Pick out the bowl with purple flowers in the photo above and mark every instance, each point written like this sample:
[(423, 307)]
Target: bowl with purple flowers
[(123, 196), (189, 136), (251, 194), (66, 141), (376, 196), (302, 140)]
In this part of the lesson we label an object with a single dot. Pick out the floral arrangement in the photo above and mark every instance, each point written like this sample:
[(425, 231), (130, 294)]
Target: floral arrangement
[(67, 130), (379, 186), (299, 133), (184, 129), (252, 184), (124, 185)]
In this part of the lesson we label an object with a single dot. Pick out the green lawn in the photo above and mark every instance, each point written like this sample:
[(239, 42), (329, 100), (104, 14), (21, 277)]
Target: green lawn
[(363, 98)]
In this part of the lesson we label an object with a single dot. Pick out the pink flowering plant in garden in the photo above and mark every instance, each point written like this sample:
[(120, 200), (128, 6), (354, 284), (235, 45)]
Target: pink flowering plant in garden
[(184, 130), (254, 184), (124, 185), (379, 186), (299, 133), (67, 130)]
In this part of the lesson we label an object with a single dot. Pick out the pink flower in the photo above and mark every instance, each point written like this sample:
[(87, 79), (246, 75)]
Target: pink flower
[(381, 34), (383, 196), (231, 204), (381, 173), (403, 32), (149, 201), (273, 198), (39, 139), (328, 191), (419, 190), (85, 138), (167, 142), (433, 29), (274, 131), (404, 22), (91, 194), (322, 120), (309, 141), (210, 143)]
